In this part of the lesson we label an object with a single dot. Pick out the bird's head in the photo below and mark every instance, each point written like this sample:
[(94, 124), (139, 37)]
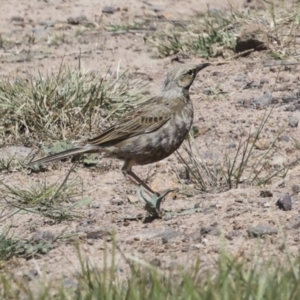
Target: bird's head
[(181, 77)]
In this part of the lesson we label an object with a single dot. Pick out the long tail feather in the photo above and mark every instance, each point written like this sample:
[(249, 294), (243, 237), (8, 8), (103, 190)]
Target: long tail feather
[(63, 154)]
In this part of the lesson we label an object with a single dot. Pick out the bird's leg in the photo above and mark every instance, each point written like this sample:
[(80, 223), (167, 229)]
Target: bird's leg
[(139, 181), (126, 170), (151, 199)]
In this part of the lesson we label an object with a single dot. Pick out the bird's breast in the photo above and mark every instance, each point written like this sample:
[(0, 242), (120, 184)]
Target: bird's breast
[(170, 136), (159, 144)]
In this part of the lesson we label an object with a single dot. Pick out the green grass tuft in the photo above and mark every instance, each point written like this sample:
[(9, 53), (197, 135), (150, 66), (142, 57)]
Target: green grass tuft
[(66, 105)]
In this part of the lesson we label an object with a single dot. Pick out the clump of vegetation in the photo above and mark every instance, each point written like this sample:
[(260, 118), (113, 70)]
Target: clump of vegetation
[(218, 33), (65, 105), (56, 201), (225, 279), (20, 247)]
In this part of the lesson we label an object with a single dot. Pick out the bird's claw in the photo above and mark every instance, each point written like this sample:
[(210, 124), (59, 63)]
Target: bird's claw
[(152, 202)]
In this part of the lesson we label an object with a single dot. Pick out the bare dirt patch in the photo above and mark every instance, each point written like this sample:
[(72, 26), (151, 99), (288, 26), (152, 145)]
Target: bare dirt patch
[(230, 102)]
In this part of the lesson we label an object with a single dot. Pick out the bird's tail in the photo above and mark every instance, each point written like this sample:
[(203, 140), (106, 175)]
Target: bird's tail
[(64, 154)]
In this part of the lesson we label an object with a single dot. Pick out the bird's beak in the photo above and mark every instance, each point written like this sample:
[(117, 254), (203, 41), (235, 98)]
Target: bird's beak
[(202, 66)]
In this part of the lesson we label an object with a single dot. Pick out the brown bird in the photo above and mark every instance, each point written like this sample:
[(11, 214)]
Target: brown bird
[(149, 133)]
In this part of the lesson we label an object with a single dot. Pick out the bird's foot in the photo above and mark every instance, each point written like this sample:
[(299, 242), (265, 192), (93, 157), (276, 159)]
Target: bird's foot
[(152, 201)]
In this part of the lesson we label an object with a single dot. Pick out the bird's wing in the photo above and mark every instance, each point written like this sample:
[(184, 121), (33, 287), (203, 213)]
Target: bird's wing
[(145, 119)]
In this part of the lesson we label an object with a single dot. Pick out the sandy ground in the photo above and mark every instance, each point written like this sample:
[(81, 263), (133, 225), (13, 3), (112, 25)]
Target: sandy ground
[(224, 120)]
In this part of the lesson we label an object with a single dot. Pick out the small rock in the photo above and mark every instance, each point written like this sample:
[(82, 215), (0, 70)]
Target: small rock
[(290, 108), (196, 236), (41, 236), (285, 202), (62, 26), (117, 202), (248, 85), (255, 84), (95, 205), (86, 222), (17, 19), (262, 101), (265, 194), (169, 234), (47, 23), (280, 88), (277, 161), (261, 230), (264, 80), (157, 8), (207, 91), (284, 138), (164, 240), (294, 225), (147, 233), (173, 265), (109, 10), (295, 188), (253, 4), (82, 19), (31, 274), (212, 155), (97, 233), (70, 283), (17, 152), (248, 43), (215, 11), (289, 98), (167, 217), (231, 235), (240, 78), (263, 144), (155, 262), (197, 205), (217, 73), (238, 200), (231, 146), (293, 121), (212, 230), (202, 130), (132, 199), (210, 209), (197, 246)]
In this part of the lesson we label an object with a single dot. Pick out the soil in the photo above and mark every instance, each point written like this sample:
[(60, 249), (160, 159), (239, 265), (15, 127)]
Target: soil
[(244, 90)]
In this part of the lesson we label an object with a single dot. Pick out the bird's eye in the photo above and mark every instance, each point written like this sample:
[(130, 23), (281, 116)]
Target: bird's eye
[(190, 72)]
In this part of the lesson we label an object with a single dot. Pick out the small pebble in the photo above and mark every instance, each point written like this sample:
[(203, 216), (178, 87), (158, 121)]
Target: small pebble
[(117, 202), (240, 78), (264, 80), (108, 10), (293, 121), (265, 194), (261, 230), (290, 108), (155, 262), (77, 20), (17, 19), (295, 188), (289, 98), (285, 202), (284, 138)]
